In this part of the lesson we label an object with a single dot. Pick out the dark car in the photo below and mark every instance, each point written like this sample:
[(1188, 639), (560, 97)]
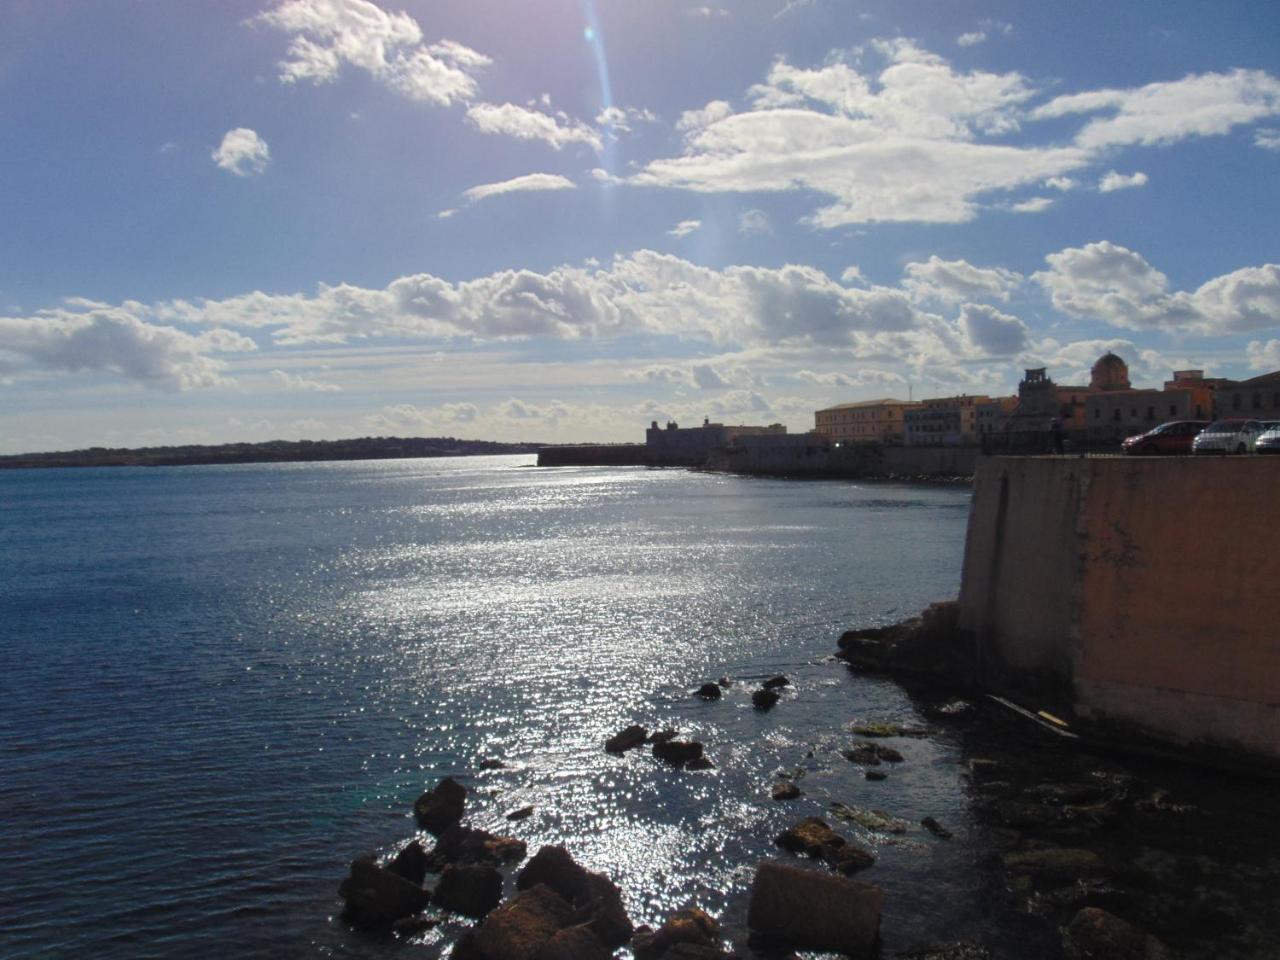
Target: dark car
[(1169, 438)]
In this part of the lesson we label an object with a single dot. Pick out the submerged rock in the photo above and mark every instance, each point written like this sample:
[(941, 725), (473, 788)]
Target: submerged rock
[(678, 752), (522, 814), (1056, 864), (809, 910), (785, 790), (876, 775), (871, 819), (814, 837), (461, 844), (492, 764), (887, 730), (441, 807), (763, 699), (708, 691), (470, 889), (376, 898), (626, 738), (662, 736), (1095, 934), (774, 683), (937, 829)]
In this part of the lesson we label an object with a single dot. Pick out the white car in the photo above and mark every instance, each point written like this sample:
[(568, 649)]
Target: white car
[(1228, 436), (1269, 440)]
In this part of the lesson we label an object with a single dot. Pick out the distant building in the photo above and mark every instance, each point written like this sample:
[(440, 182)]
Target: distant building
[(1041, 401), (689, 446), (992, 416), (871, 421), (943, 421), (1257, 398), (1115, 414)]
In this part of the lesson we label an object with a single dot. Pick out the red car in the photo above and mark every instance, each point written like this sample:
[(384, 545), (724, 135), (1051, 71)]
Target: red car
[(1172, 437)]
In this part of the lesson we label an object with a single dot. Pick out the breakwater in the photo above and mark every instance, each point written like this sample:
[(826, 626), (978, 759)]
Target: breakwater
[(593, 455)]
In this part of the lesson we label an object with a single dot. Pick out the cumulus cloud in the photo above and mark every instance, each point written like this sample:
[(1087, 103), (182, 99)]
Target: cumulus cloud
[(865, 377), (971, 39), (684, 228), (294, 383), (401, 417), (1120, 181), (954, 281), (524, 123), (242, 152), (853, 275), (330, 34), (1267, 139), (623, 119), (701, 375), (1117, 285), (1033, 205), (992, 333), (1061, 183), (1200, 105), (516, 409), (713, 112), (1264, 356), (527, 183), (84, 336), (753, 223)]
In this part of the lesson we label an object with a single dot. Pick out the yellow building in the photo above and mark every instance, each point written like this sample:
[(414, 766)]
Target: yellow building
[(866, 422)]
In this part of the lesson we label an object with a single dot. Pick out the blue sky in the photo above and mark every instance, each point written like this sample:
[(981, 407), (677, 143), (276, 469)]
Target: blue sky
[(560, 219)]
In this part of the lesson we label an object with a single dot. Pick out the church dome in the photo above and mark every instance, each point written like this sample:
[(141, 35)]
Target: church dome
[(1110, 373)]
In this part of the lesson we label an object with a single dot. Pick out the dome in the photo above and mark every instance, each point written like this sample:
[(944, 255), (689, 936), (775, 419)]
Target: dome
[(1110, 373)]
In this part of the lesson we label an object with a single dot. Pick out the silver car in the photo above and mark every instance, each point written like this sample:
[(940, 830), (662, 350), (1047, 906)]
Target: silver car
[(1269, 440), (1228, 436)]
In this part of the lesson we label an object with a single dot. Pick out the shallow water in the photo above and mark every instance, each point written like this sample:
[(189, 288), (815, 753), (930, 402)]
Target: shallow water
[(220, 684)]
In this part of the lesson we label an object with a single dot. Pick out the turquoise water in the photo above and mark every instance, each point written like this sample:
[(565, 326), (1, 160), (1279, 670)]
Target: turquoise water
[(219, 684)]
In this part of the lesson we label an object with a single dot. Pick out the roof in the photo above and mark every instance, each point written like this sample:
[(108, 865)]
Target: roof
[(870, 403), (1265, 379)]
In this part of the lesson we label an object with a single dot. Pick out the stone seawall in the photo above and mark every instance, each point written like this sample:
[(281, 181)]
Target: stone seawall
[(593, 455), (1142, 596)]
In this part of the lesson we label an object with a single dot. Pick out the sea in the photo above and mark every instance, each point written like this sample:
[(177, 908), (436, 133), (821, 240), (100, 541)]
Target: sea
[(219, 685)]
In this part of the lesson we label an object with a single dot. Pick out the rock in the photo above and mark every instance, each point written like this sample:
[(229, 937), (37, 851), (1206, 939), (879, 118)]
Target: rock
[(848, 858), (955, 710), (690, 926), (708, 691), (809, 910), (625, 739), (815, 838), (662, 736), (677, 752), (887, 730), (492, 764), (461, 844), (1056, 864), (876, 775), (763, 699), (466, 947), (1017, 813), (573, 943), (725, 682), (981, 770), (864, 754), (519, 928), (470, 889), (930, 644), (699, 763), (410, 863), (960, 950), (871, 819), (997, 788), (522, 814), (595, 898), (1065, 794), (414, 925), (937, 829), (1095, 934), (377, 898), (774, 683), (785, 791), (441, 807)]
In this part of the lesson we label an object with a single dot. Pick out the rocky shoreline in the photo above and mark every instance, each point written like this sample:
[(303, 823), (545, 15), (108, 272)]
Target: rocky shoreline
[(1074, 850)]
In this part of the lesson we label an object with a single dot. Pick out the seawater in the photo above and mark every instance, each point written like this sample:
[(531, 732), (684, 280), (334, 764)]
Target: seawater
[(220, 684)]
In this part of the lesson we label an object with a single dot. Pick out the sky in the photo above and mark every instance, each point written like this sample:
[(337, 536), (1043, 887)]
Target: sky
[(558, 220)]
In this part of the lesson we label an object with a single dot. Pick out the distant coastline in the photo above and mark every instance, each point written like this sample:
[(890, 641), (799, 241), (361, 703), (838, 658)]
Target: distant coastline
[(272, 451)]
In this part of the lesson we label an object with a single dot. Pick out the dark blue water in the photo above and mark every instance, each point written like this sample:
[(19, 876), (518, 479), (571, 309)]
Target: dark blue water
[(220, 684)]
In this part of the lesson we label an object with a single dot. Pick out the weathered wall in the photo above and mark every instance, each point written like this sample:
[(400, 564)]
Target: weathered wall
[(1139, 594), (592, 454), (930, 461)]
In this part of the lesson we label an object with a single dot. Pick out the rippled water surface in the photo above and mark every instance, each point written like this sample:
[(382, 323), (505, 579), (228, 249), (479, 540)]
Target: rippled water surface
[(219, 684)]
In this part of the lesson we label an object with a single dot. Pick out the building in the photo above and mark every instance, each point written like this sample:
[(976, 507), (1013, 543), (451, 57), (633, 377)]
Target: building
[(1257, 398), (1117, 413), (992, 416), (871, 421), (943, 422), (674, 445)]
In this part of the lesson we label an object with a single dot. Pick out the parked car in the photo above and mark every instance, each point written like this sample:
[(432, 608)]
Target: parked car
[(1269, 440), (1228, 436), (1172, 437)]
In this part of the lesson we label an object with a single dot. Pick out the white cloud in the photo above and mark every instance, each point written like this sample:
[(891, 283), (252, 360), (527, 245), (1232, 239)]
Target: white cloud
[(992, 333), (388, 46), (1267, 139), (954, 281), (971, 39), (622, 119), (865, 377), (242, 152), (1118, 286), (401, 417), (707, 377), (516, 409), (297, 384), (528, 182), (708, 12), (713, 112), (753, 223), (84, 336), (1201, 105), (525, 124), (684, 228), (1061, 183), (853, 275), (1033, 205), (1264, 356), (1120, 181)]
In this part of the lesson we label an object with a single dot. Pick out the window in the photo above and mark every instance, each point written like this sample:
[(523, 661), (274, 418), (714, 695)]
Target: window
[(1115, 414), (1151, 413), (1236, 401), (1097, 412), (1257, 401), (1173, 409)]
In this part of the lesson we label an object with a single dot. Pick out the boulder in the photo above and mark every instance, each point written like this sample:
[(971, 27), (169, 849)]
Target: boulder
[(492, 764), (441, 807), (876, 775), (470, 889), (774, 683), (662, 736), (626, 738), (596, 900), (708, 691), (863, 753), (763, 699), (677, 752), (519, 928), (808, 910), (555, 868), (786, 790), (605, 913), (725, 682), (522, 814), (461, 844), (700, 763), (931, 644), (573, 943), (1095, 934), (937, 829), (410, 863), (376, 898), (815, 838), (1056, 864), (690, 926)]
